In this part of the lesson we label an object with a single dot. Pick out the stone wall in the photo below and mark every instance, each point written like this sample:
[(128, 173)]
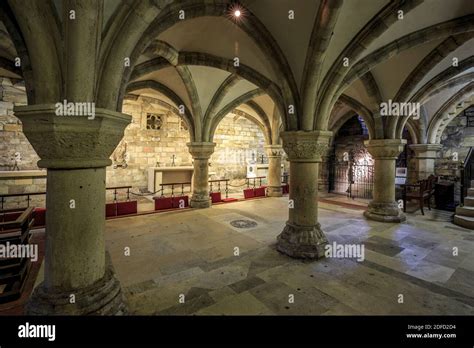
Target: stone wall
[(238, 141), (142, 148), (236, 137), (456, 141), (23, 183), (15, 149)]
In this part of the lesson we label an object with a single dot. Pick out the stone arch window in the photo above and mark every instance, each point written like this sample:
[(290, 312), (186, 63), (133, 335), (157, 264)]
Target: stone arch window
[(154, 121)]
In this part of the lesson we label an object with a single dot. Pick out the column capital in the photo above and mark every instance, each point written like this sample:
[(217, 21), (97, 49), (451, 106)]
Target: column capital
[(202, 150), (72, 142), (274, 150), (426, 150), (306, 146), (385, 148)]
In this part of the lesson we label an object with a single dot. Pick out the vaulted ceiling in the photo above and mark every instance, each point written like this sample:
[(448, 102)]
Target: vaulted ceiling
[(305, 54)]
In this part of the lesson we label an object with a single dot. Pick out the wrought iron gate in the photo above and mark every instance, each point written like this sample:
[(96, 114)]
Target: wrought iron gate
[(354, 180)]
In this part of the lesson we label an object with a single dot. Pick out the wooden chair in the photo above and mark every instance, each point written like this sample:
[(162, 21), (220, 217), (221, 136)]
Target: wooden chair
[(432, 180), (420, 192)]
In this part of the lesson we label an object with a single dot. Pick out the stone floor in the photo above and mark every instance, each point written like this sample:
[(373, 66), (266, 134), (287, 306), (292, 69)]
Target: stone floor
[(203, 258)]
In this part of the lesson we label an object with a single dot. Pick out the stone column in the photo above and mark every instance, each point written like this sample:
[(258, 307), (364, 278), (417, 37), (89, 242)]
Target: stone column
[(200, 182), (78, 280), (274, 153), (383, 207), (302, 236), (425, 156)]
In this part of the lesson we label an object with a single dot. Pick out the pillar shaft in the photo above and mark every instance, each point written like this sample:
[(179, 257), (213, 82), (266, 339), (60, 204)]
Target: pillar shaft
[(304, 193), (274, 153), (201, 152), (75, 223), (78, 278), (425, 157), (383, 207), (384, 180), (302, 236)]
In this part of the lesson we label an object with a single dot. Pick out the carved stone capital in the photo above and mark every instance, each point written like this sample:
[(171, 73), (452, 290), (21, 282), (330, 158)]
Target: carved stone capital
[(306, 146), (385, 148), (424, 151), (201, 150), (71, 142), (274, 150)]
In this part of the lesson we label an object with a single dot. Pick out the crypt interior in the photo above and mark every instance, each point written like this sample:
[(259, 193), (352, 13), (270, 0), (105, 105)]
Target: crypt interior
[(201, 157)]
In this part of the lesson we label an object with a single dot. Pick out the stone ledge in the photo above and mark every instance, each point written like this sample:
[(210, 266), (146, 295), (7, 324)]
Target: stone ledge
[(6, 174)]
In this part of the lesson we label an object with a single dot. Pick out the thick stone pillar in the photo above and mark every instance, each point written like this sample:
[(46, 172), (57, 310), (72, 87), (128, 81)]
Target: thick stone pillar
[(425, 157), (78, 280), (274, 153), (383, 207), (302, 236), (200, 182)]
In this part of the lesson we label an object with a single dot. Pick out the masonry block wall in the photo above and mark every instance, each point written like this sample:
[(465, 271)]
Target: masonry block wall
[(236, 137), (12, 139), (456, 140), (237, 141)]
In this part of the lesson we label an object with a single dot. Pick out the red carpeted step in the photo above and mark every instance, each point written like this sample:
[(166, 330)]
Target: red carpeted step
[(163, 203), (249, 193), (110, 209), (215, 197), (180, 202), (228, 200), (260, 192), (40, 217), (127, 208)]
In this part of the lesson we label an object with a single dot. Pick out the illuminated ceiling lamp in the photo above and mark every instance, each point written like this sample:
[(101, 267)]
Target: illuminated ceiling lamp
[(236, 11)]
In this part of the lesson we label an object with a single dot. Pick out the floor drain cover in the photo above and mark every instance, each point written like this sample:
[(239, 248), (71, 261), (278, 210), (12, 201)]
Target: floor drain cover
[(243, 223)]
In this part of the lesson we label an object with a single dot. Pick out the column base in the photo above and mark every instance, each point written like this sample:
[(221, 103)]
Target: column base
[(303, 242), (104, 297), (274, 191), (200, 204), (384, 212)]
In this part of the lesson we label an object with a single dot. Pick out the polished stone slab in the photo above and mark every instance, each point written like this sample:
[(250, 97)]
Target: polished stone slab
[(192, 253)]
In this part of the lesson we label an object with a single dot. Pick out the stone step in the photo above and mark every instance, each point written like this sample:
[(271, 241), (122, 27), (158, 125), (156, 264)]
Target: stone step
[(465, 211), (464, 221), (470, 192), (472, 183), (469, 201)]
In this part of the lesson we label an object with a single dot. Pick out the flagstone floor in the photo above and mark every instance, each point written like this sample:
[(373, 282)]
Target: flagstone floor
[(222, 261)]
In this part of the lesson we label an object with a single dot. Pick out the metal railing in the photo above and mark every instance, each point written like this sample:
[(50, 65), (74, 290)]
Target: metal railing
[(10, 195), (120, 188), (259, 178), (173, 185), (212, 183), (354, 180)]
